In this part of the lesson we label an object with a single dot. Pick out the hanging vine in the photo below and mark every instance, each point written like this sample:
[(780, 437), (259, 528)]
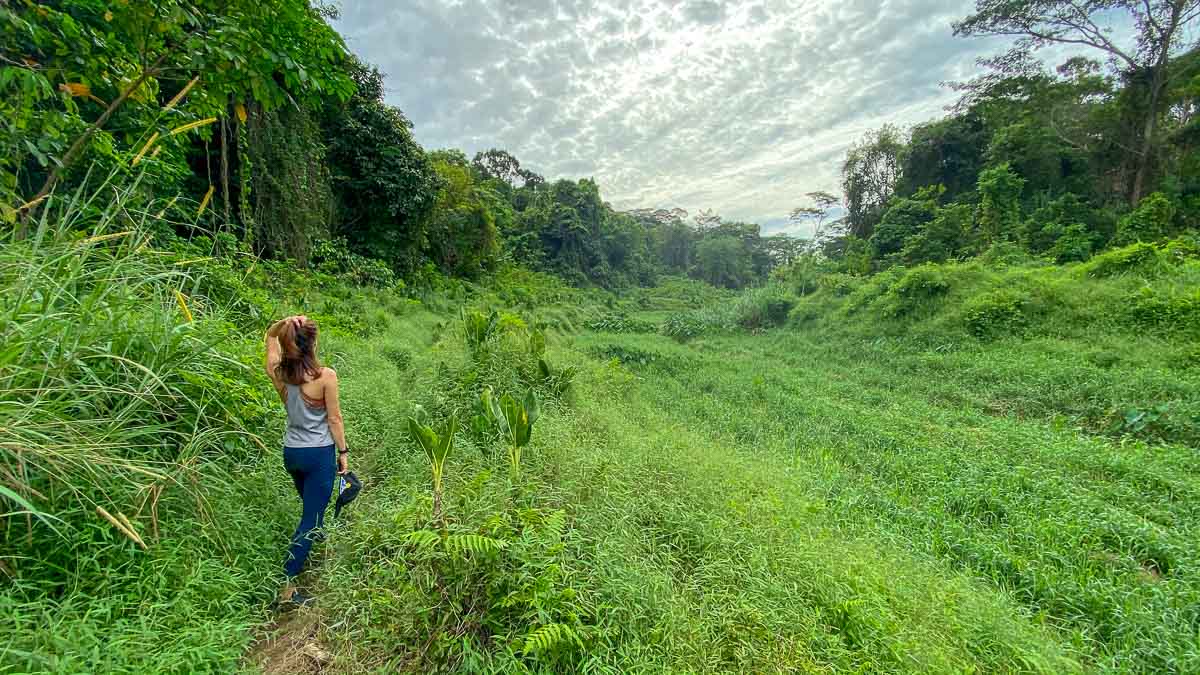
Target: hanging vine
[(284, 172)]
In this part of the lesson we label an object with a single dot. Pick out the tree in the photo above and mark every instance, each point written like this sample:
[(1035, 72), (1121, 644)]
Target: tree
[(676, 245), (706, 220), (807, 250), (947, 152), (905, 218), (462, 238), (947, 236), (502, 166), (869, 177), (272, 51), (822, 204), (1159, 33), (722, 261), (384, 183), (999, 203)]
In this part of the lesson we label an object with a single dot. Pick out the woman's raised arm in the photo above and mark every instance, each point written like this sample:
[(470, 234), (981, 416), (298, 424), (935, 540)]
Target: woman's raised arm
[(271, 342)]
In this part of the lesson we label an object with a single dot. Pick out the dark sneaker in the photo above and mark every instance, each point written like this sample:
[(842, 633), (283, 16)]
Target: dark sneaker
[(302, 599), (299, 599)]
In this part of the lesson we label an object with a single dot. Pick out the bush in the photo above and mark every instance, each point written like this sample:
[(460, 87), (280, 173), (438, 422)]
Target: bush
[(333, 257), (1137, 258), (1150, 221), (617, 323), (804, 312), (1005, 254), (1167, 311), (918, 286), (871, 290), (840, 284), (684, 326), (1074, 244), (762, 307), (996, 314)]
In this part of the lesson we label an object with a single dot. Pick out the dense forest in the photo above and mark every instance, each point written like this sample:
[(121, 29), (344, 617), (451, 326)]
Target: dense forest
[(951, 427), (286, 139)]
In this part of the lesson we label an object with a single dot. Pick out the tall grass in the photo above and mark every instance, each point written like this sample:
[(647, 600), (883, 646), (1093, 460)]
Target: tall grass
[(127, 400)]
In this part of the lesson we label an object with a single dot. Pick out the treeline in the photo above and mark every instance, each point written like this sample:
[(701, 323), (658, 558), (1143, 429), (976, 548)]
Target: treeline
[(250, 122), (1051, 163)]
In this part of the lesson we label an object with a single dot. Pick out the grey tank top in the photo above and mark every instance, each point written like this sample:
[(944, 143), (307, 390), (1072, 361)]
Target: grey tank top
[(307, 426)]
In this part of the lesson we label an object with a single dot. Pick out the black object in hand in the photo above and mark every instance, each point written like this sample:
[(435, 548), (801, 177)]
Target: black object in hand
[(347, 493)]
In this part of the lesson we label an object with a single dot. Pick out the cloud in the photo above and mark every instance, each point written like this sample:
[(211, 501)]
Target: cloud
[(735, 106)]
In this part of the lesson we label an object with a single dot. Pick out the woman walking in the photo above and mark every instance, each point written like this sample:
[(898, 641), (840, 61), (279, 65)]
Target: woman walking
[(314, 429)]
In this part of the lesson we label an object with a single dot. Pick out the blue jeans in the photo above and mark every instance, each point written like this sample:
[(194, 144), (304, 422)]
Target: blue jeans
[(313, 471)]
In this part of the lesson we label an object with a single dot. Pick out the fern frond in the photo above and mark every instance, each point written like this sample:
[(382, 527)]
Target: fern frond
[(548, 637), (556, 523), (474, 543), (422, 539)]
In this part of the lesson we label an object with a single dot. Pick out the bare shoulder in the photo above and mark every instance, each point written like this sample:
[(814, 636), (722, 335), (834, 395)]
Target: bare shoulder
[(329, 374)]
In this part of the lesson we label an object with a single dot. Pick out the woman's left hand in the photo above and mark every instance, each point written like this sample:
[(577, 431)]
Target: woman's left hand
[(342, 462)]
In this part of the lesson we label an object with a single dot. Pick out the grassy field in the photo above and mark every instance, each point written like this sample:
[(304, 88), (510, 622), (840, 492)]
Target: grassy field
[(953, 469), (786, 501)]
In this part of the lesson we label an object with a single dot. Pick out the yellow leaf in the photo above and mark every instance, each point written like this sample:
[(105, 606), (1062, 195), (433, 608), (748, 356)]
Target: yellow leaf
[(33, 203), (75, 88), (108, 16), (181, 300), (192, 125), (241, 112), (104, 237), (145, 147), (182, 92), (169, 205), (204, 202), (190, 261)]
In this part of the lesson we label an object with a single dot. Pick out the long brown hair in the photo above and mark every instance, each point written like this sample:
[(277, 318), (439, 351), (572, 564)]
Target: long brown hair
[(298, 361)]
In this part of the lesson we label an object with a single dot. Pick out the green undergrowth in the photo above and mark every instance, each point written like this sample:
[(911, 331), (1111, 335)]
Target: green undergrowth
[(1085, 538), (142, 513), (950, 468), (631, 541), (1139, 289)]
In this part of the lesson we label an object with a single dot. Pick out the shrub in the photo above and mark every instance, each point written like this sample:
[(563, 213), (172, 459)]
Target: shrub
[(617, 323), (874, 288), (1167, 311), (1074, 244), (684, 326), (398, 356), (916, 287), (1137, 258), (996, 314), (1150, 221), (946, 237), (904, 219), (762, 307), (1179, 250), (1000, 201), (840, 284), (335, 258), (804, 312)]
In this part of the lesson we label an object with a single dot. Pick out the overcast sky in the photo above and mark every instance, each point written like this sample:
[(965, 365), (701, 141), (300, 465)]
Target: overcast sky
[(740, 107)]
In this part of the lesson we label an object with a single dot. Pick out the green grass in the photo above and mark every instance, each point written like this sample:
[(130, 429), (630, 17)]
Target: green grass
[(903, 479), (790, 501)]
